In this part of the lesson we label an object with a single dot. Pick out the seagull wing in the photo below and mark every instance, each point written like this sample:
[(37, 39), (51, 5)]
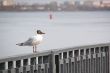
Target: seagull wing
[(29, 42)]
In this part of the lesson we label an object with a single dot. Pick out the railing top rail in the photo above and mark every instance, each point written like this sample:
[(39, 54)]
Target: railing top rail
[(54, 51)]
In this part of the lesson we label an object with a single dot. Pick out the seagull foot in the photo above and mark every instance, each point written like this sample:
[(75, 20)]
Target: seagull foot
[(35, 52)]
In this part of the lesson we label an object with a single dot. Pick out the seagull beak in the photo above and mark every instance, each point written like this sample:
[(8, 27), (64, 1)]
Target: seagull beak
[(43, 33)]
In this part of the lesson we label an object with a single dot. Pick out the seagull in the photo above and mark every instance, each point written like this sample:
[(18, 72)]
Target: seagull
[(33, 41)]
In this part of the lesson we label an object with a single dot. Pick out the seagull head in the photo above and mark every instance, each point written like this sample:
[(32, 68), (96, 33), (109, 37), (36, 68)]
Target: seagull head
[(40, 32)]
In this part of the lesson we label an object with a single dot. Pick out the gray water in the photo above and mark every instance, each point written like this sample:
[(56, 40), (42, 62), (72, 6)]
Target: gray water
[(66, 29)]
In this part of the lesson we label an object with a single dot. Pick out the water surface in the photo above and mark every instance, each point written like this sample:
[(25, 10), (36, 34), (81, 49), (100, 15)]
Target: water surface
[(66, 29)]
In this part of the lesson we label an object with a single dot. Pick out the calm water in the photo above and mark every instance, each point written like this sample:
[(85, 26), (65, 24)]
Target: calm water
[(66, 29)]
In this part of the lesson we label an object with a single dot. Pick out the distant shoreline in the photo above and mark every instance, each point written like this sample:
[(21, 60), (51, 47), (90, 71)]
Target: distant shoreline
[(51, 11)]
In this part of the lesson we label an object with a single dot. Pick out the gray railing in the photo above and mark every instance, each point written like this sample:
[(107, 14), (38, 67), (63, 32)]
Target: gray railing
[(84, 59)]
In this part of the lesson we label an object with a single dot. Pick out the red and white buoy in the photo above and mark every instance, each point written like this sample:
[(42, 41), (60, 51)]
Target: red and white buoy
[(50, 16)]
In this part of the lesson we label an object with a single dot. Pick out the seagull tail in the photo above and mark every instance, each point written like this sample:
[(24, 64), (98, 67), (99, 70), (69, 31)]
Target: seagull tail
[(20, 44)]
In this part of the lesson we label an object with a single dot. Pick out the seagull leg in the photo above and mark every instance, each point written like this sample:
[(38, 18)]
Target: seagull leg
[(33, 49)]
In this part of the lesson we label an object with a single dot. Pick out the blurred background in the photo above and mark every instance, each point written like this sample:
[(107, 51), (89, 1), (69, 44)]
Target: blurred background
[(67, 23)]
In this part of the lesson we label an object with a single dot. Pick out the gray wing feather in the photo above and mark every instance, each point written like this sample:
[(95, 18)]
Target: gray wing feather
[(29, 42)]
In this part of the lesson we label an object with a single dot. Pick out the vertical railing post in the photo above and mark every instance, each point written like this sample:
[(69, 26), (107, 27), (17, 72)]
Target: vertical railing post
[(62, 55), (36, 60), (14, 64), (29, 63), (73, 54), (21, 62), (52, 63), (84, 61), (6, 65), (109, 57)]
